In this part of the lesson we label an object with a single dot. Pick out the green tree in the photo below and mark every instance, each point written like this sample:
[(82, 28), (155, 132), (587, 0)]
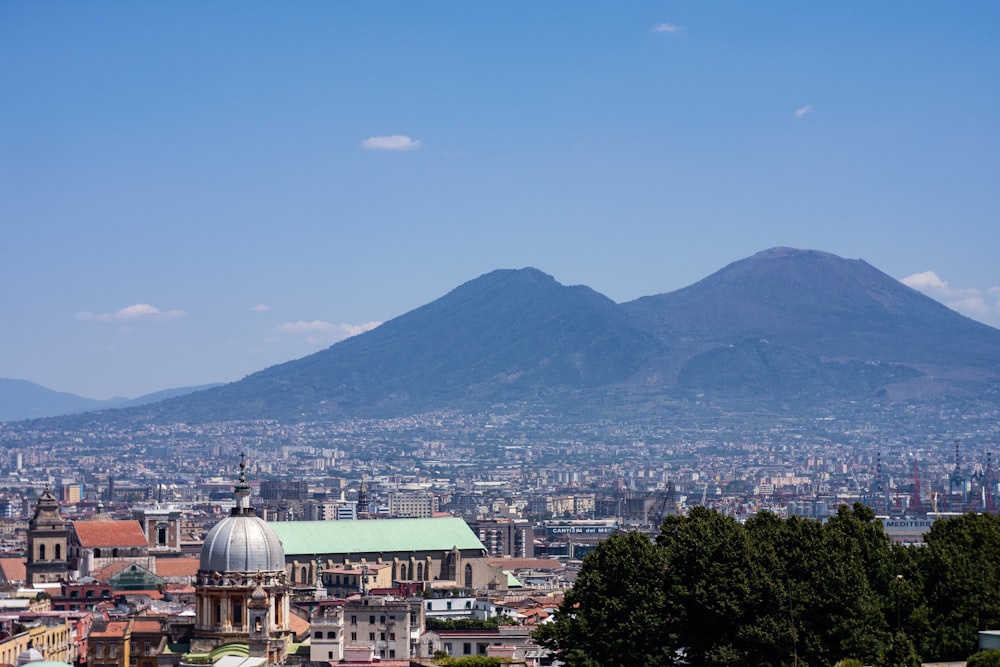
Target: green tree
[(783, 629), (854, 585), (960, 564), (615, 614), (900, 652), (984, 659), (711, 581)]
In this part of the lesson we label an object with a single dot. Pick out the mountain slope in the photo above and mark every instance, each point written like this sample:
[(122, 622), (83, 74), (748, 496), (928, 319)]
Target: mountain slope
[(20, 399), (834, 312), (507, 335), (815, 298)]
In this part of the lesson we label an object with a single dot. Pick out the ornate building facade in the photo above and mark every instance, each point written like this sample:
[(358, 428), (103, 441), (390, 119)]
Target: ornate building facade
[(240, 592)]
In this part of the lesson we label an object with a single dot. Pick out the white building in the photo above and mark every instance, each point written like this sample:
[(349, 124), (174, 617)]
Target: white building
[(387, 626)]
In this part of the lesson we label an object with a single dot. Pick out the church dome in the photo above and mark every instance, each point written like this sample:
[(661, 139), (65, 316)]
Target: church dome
[(242, 542)]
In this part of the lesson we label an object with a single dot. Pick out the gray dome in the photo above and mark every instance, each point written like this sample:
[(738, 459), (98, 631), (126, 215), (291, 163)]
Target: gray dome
[(242, 543)]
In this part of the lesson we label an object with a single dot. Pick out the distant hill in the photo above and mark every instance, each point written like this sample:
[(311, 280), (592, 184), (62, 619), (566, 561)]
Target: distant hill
[(20, 399), (787, 328)]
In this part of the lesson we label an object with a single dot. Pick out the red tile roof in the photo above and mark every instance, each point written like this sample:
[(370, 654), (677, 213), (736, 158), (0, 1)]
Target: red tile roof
[(177, 567), (526, 563), (109, 534), (114, 629), (13, 569), (111, 569), (144, 625)]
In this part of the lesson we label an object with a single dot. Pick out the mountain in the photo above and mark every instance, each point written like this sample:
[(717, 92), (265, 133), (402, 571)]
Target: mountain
[(797, 322), (509, 335), (784, 328), (20, 399)]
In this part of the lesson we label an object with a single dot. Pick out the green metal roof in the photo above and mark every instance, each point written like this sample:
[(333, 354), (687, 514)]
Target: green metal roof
[(311, 538)]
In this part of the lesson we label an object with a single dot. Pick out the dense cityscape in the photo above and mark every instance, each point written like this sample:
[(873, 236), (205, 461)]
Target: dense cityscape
[(535, 493)]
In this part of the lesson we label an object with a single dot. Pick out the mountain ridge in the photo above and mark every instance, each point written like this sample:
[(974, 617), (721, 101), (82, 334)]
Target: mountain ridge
[(23, 399), (784, 327)]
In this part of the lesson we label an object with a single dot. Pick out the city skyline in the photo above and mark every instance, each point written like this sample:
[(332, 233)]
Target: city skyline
[(193, 193)]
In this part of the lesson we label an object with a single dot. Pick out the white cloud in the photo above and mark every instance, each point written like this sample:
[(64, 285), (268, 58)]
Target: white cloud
[(804, 111), (260, 308), (138, 311), (320, 332), (927, 280), (981, 305), (392, 142), (668, 28), (301, 326)]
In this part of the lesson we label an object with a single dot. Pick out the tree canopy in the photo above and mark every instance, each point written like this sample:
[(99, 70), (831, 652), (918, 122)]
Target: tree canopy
[(774, 591)]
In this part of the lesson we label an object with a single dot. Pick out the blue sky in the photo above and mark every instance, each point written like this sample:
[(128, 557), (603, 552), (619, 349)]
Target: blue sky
[(193, 191)]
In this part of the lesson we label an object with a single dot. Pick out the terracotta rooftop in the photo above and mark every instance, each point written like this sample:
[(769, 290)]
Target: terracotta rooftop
[(526, 563), (177, 567), (145, 625), (113, 629), (152, 594), (109, 570), (298, 626), (109, 534), (13, 569)]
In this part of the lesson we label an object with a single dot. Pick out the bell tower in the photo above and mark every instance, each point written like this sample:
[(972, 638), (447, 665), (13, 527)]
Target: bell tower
[(48, 537), (258, 611)]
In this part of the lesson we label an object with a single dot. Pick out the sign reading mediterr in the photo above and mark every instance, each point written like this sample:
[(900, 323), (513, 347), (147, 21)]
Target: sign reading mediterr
[(580, 530)]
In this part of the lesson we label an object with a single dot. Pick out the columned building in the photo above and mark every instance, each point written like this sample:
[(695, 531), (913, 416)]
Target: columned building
[(240, 592)]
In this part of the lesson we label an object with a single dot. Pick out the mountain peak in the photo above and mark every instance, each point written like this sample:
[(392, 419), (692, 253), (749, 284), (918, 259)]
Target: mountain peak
[(783, 252)]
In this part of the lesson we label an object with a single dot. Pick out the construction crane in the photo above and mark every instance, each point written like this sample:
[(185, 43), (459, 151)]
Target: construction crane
[(664, 506)]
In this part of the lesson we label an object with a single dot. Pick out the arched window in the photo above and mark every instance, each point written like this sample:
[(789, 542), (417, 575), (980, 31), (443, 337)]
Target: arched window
[(420, 571), (114, 552), (133, 552), (41, 552), (305, 575), (402, 571), (97, 553), (58, 550), (468, 576)]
